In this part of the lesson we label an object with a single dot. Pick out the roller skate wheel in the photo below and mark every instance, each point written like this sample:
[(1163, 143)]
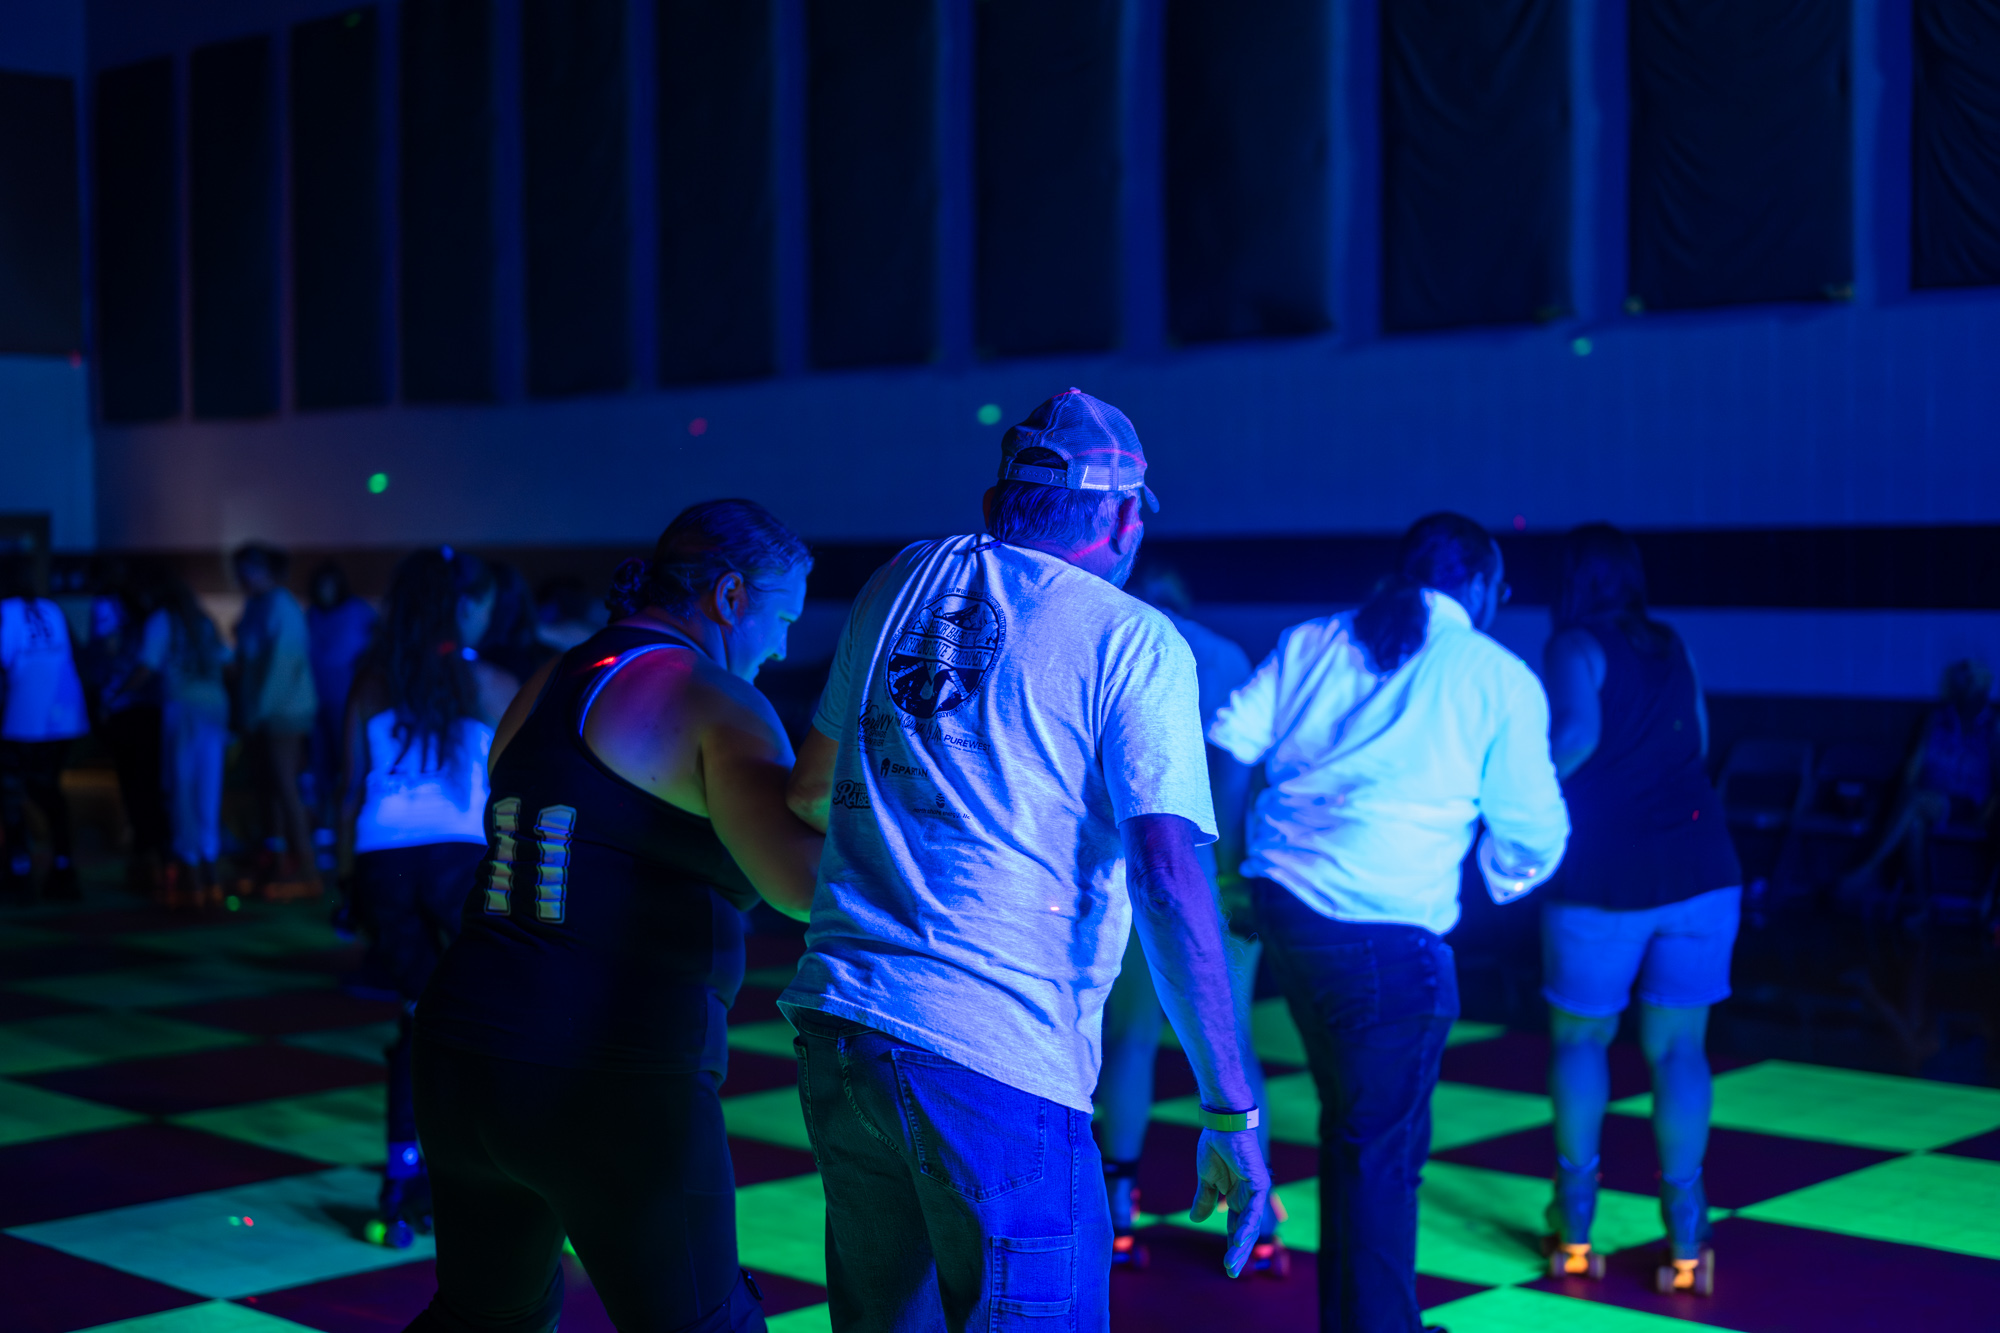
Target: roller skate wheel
[(1270, 1259), (1575, 1261), (1127, 1251), (399, 1236), (1704, 1273)]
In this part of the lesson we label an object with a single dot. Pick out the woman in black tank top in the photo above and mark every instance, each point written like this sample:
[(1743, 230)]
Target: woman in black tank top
[(1647, 893), (572, 1043)]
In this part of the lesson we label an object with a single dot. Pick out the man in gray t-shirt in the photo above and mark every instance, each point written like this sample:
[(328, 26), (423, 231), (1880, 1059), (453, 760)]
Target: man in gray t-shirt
[(1006, 739)]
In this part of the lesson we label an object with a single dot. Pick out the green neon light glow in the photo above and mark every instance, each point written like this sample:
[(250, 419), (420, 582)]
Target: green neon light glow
[(378, 483)]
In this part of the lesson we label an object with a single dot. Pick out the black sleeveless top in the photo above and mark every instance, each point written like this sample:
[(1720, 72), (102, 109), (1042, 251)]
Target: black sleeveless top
[(1646, 826), (603, 931)]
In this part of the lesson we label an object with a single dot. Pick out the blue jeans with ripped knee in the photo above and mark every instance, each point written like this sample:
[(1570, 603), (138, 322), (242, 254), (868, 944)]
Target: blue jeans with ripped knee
[(953, 1201)]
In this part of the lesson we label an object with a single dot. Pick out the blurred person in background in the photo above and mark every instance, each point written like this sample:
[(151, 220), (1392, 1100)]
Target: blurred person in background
[(418, 729), (125, 710), (183, 656), (1132, 1014), (510, 642), (1949, 778), (572, 1045), (1648, 894), (339, 626), (276, 706), (41, 712), (565, 613), (1388, 735)]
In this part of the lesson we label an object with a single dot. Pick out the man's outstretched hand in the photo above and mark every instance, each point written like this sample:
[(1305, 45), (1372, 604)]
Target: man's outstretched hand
[(1230, 1170)]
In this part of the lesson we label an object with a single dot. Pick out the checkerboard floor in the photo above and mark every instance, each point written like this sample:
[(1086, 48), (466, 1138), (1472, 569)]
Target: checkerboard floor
[(190, 1126)]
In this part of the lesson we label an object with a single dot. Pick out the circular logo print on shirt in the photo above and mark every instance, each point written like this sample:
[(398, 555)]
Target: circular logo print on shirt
[(942, 654)]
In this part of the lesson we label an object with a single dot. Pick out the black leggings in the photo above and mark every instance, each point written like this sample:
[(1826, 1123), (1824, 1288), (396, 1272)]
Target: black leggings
[(31, 771), (632, 1167)]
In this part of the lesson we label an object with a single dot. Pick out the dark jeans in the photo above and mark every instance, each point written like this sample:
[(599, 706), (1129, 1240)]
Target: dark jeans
[(1374, 1003), (953, 1201), (134, 735), (632, 1167), (31, 771), (408, 899)]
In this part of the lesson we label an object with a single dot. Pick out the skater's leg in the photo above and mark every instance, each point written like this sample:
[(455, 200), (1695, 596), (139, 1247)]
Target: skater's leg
[(1132, 1022), (1674, 1041), (1579, 1081), (45, 790)]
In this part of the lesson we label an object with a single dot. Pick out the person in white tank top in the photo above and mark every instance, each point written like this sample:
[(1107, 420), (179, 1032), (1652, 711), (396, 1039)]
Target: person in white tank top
[(419, 725), (41, 712)]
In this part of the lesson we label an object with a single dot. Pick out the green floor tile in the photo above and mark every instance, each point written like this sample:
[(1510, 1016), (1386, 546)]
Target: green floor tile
[(1463, 1032), (270, 936), (768, 1117), (1515, 1310), (66, 1041), (31, 1113), (1291, 1108), (1485, 1226), (209, 1317), (14, 935), (771, 978), (190, 982), (781, 1228), (343, 1127), (366, 1042), (772, 1038), (1945, 1203), (1845, 1106), (1463, 1113), (1299, 1230), (290, 1232), (811, 1319)]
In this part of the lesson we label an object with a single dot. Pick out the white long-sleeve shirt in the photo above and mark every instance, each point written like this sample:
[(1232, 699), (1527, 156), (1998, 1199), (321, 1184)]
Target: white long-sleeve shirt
[(1377, 783)]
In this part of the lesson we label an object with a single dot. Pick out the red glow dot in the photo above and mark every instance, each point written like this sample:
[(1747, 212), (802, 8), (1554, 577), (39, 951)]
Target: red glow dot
[(248, 1222), (1520, 523), (606, 662), (1697, 814), (699, 426)]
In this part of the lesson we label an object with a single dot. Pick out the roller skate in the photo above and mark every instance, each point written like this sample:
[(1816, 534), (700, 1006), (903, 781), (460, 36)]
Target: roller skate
[(1269, 1257), (403, 1210), (1691, 1266), (1570, 1214), (1127, 1250)]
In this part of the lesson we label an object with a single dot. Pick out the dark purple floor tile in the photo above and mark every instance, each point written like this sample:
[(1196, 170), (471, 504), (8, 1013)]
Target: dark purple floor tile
[(1519, 1062), (751, 1071), (123, 921), (1986, 1146), (1435, 1291), (1771, 1278), (1742, 1168), (773, 950), (1184, 1287), (787, 1293), (46, 1291), (174, 1084), (755, 1004), (87, 1173), (336, 963), (389, 1298), (1166, 1169), (67, 960), (1173, 1076), (16, 1007), (286, 1012), (757, 1162)]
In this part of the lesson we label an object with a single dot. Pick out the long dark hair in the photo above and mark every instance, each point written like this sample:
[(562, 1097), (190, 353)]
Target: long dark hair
[(416, 651), (1603, 578), (704, 542), (1442, 551), (197, 645)]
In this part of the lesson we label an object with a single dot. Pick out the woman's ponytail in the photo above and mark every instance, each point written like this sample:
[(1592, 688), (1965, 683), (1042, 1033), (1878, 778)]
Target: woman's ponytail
[(1442, 551)]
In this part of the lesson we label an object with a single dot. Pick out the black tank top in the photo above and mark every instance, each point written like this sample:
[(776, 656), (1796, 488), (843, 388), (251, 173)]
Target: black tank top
[(603, 932), (1646, 826)]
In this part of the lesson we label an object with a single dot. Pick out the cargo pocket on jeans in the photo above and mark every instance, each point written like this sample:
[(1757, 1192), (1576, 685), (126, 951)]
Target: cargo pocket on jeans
[(1031, 1277)]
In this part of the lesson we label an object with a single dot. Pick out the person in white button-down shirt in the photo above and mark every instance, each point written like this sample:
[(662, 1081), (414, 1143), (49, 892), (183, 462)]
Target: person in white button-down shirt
[(1388, 734)]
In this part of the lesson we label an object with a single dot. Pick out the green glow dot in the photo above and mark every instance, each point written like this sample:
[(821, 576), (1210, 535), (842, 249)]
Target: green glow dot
[(1581, 346), (376, 1231), (989, 415), (236, 1221), (233, 903), (378, 483)]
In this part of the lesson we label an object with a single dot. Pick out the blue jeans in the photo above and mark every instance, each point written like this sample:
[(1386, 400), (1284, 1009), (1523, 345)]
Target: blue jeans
[(1374, 1002), (192, 758), (953, 1201)]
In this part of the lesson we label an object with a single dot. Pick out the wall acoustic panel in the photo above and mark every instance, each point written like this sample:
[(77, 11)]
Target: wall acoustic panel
[(233, 229), (41, 237), (573, 110), (138, 234), (1475, 162), (1739, 167), (1047, 163), (446, 219), (1247, 138), (339, 269), (871, 69), (1955, 232), (717, 201)]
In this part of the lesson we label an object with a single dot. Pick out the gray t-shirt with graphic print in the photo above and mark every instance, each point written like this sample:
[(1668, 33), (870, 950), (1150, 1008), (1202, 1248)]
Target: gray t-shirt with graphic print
[(999, 713)]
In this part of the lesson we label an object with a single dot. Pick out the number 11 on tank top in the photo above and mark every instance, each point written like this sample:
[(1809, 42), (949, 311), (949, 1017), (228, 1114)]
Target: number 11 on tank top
[(555, 826)]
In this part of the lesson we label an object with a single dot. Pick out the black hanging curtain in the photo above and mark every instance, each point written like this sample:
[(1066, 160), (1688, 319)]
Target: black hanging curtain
[(1955, 231), (1739, 170), (1475, 162)]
